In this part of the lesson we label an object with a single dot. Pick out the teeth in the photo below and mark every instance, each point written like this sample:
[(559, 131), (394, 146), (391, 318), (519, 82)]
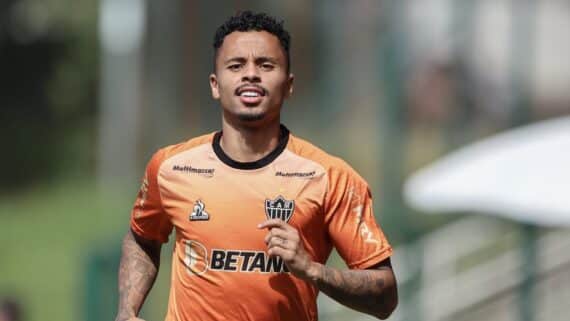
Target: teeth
[(250, 94)]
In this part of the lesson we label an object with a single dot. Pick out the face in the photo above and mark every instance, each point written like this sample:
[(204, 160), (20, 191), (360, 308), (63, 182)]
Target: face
[(251, 80)]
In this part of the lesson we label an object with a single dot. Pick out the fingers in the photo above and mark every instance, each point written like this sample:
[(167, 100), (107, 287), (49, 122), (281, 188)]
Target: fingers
[(285, 254), (283, 242), (279, 242), (274, 223), (280, 233), (276, 233), (282, 239)]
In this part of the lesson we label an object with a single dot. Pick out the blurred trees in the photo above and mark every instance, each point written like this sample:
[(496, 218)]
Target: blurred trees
[(48, 64)]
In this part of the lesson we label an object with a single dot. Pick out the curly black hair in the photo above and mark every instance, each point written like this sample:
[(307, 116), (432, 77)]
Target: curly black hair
[(247, 21)]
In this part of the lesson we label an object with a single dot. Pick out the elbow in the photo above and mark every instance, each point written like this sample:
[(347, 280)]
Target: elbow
[(384, 314), (388, 304)]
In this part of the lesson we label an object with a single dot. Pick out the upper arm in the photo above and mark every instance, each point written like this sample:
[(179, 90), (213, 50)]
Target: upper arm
[(148, 218), (151, 248), (145, 243), (350, 220)]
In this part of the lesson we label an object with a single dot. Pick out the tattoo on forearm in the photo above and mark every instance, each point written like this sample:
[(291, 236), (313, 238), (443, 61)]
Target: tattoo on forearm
[(363, 290), (137, 272)]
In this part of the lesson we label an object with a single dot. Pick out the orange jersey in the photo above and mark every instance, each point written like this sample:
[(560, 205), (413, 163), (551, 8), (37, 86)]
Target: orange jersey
[(220, 266)]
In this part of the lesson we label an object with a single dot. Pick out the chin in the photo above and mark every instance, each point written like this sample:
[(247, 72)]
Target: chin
[(251, 117)]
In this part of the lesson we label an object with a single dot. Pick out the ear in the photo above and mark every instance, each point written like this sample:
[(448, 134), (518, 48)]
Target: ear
[(214, 86), (290, 80)]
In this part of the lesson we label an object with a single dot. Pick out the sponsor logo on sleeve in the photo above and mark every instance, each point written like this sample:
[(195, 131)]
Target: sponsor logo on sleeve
[(143, 194), (356, 202)]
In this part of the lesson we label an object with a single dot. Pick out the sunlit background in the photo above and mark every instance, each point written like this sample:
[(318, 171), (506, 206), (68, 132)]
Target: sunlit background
[(90, 89)]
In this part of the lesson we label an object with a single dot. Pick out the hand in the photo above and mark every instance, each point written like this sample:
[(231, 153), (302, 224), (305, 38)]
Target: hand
[(284, 241)]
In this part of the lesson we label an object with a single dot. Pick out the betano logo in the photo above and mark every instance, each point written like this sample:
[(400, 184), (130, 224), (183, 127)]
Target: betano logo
[(199, 261)]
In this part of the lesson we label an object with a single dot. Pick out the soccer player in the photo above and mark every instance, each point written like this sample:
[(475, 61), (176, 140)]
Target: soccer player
[(256, 209)]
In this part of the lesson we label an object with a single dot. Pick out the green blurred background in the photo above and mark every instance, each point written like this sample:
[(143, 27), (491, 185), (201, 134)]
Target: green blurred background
[(90, 89)]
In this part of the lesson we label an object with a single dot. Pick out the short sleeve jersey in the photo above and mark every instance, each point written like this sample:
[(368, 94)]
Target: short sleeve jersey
[(220, 266)]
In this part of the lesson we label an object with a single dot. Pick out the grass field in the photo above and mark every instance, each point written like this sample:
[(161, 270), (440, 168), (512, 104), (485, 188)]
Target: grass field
[(46, 232)]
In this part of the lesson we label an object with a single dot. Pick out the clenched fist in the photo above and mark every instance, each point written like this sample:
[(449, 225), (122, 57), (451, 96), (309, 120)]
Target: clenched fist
[(284, 241)]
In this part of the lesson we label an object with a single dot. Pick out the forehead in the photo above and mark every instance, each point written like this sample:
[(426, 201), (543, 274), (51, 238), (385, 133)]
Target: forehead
[(256, 43)]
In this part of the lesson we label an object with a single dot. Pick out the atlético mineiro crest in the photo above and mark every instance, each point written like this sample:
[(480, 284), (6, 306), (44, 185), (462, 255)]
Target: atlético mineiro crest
[(199, 213), (279, 208)]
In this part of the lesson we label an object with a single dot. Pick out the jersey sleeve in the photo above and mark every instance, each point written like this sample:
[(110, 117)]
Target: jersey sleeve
[(350, 220), (148, 218)]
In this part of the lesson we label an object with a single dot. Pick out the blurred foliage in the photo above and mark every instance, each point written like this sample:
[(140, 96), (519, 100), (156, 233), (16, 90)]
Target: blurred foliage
[(49, 63)]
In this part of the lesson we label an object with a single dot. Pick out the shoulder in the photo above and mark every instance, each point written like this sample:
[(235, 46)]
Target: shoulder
[(335, 167), (168, 152)]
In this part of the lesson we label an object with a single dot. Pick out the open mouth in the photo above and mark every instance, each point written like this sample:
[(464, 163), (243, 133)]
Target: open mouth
[(250, 94), (250, 91)]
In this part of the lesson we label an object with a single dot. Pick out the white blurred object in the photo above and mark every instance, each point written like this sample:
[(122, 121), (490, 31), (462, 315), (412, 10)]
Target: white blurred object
[(122, 25), (522, 174), (485, 39)]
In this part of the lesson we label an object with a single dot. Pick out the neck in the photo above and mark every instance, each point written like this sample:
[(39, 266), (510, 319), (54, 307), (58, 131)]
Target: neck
[(249, 144)]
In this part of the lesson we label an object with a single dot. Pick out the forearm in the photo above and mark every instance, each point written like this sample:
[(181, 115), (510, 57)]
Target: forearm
[(137, 272), (370, 291)]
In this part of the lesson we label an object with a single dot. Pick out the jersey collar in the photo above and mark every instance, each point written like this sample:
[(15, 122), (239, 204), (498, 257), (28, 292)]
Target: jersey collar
[(283, 140)]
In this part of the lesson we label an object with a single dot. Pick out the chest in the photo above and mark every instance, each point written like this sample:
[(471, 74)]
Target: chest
[(223, 211)]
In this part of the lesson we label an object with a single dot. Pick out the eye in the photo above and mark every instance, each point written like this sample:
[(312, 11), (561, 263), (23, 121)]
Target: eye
[(234, 67), (267, 66)]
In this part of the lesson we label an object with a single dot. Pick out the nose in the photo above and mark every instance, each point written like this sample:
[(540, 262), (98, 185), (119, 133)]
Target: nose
[(251, 73)]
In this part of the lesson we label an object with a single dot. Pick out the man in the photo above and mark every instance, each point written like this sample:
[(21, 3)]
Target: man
[(256, 209)]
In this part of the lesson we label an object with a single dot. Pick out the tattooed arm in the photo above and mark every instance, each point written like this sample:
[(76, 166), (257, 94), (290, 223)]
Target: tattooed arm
[(138, 269), (371, 291)]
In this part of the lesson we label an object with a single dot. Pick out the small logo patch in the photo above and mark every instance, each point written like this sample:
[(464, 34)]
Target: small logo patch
[(199, 213), (279, 208)]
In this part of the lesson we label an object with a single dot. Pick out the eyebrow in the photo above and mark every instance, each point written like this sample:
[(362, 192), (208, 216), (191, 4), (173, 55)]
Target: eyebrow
[(257, 60), (266, 59), (234, 59)]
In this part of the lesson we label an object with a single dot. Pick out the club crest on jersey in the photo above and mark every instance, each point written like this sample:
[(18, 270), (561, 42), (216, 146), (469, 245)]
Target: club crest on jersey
[(199, 213), (279, 208)]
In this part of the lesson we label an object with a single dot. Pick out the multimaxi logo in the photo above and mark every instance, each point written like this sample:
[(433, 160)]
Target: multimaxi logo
[(199, 260)]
